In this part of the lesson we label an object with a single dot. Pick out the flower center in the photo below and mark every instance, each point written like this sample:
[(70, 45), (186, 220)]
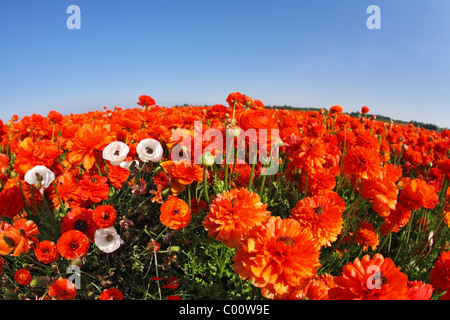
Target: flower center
[(73, 244), (149, 150), (9, 241), (117, 152), (287, 240), (81, 225), (319, 210), (38, 177), (109, 238), (176, 211)]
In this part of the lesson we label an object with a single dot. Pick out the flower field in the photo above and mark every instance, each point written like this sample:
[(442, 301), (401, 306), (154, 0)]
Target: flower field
[(116, 204)]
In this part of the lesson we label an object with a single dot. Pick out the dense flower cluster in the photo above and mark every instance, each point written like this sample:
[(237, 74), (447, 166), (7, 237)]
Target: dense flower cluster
[(94, 206)]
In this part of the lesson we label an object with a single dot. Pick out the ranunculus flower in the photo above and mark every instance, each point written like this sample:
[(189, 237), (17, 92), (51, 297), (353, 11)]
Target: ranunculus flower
[(107, 239), (40, 174), (115, 152), (149, 150)]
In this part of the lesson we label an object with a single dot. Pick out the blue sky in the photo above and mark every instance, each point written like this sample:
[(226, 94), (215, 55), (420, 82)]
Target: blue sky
[(301, 53)]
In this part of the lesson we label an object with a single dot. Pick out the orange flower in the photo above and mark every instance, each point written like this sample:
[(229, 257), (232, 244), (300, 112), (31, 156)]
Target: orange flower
[(146, 101), (336, 109), (310, 156), (364, 110), (88, 143), (12, 239), (321, 215), (182, 174), (417, 290), (366, 236), (317, 289), (374, 278), (73, 244), (362, 162), (319, 182), (175, 213), (235, 99), (46, 252), (397, 219), (67, 191), (232, 214), (23, 277), (417, 193), (117, 175), (104, 216), (382, 192), (111, 294), (93, 188), (257, 119), (28, 229), (440, 274), (62, 289), (157, 195), (278, 255), (446, 215)]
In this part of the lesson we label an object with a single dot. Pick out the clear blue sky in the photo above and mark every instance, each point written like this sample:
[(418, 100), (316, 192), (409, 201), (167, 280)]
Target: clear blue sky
[(301, 53)]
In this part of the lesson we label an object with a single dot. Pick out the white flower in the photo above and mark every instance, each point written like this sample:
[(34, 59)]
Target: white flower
[(128, 164), (149, 150), (107, 239), (40, 174), (115, 152)]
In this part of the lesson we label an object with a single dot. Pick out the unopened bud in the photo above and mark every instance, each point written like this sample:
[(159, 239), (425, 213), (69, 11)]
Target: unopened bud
[(77, 262), (207, 159), (39, 281)]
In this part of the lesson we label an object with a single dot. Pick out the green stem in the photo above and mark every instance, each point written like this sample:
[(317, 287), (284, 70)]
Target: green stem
[(250, 181), (263, 182), (205, 186), (409, 226)]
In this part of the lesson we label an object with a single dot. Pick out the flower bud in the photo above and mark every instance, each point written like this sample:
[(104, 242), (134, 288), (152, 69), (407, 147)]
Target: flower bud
[(208, 159), (39, 281)]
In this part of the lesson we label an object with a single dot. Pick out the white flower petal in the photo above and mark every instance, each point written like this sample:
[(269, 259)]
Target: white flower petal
[(115, 152), (107, 239), (149, 150), (40, 174)]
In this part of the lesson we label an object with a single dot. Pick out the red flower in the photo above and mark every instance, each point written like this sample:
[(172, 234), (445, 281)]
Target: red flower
[(11, 202), (175, 213), (364, 110), (79, 219), (46, 252), (162, 179), (23, 277), (172, 283), (146, 101), (440, 274), (62, 289), (417, 193), (104, 216), (111, 294), (374, 278), (93, 188), (419, 290), (73, 244)]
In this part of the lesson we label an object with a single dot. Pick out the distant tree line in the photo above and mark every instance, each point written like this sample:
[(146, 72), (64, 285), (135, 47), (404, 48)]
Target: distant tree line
[(428, 126)]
